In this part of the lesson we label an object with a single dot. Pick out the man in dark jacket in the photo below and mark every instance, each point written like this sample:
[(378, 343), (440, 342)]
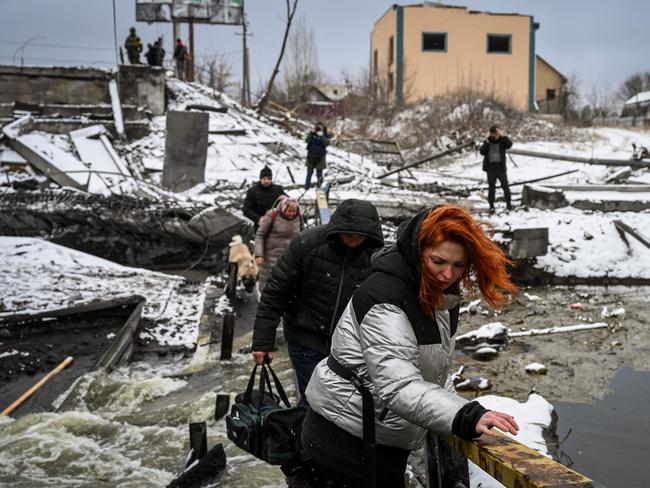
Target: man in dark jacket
[(494, 163), (312, 283), (261, 196)]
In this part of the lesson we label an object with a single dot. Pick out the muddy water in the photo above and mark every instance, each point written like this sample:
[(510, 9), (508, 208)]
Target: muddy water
[(129, 429), (610, 439)]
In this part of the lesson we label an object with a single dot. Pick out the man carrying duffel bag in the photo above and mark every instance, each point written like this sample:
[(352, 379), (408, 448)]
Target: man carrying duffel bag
[(259, 424)]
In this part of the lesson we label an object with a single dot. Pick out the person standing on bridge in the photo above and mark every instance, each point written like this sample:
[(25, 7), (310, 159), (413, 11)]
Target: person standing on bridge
[(133, 46), (493, 151), (395, 340), (261, 196), (277, 228), (317, 141), (311, 283)]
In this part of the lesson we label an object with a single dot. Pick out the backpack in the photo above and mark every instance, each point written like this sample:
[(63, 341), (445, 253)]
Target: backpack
[(261, 426)]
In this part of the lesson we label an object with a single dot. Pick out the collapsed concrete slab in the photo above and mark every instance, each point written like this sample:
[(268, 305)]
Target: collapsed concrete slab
[(125, 229), (186, 150), (108, 173), (538, 196), (57, 164)]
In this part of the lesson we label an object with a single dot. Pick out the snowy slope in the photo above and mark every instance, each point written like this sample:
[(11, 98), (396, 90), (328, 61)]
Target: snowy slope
[(38, 276)]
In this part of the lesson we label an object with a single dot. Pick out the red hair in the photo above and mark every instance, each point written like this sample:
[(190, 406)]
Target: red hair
[(485, 260)]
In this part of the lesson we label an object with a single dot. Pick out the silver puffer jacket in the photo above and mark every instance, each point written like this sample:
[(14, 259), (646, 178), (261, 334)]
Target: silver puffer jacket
[(407, 379)]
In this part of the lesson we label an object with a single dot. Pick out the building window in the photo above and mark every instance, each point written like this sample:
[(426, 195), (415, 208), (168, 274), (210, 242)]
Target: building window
[(499, 43), (550, 94), (391, 50), (434, 41), (375, 63), (390, 82)]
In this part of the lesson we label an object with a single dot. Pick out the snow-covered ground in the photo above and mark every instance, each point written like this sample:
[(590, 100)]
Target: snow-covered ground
[(39, 276)]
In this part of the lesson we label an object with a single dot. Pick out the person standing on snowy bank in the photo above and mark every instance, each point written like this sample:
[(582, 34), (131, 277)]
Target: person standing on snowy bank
[(493, 151), (395, 339), (317, 141)]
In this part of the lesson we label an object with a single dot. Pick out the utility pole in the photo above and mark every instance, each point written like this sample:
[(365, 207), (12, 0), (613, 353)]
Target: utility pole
[(190, 67), (245, 98)]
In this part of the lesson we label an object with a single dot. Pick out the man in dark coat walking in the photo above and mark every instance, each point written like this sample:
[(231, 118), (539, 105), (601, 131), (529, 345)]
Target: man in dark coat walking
[(312, 283), (494, 163), (261, 196)]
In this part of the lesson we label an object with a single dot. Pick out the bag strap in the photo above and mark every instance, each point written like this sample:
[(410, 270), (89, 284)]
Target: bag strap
[(278, 386), (368, 409), (249, 388)]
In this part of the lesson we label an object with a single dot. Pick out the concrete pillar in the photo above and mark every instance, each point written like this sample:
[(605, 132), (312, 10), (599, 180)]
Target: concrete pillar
[(186, 150)]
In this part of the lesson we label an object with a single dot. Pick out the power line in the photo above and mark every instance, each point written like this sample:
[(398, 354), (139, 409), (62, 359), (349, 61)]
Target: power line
[(59, 46), (60, 60)]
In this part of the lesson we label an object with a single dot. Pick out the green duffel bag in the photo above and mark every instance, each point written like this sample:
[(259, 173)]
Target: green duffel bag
[(260, 425)]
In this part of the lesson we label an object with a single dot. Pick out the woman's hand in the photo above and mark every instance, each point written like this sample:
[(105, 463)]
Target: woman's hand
[(259, 260), (258, 356), (502, 421)]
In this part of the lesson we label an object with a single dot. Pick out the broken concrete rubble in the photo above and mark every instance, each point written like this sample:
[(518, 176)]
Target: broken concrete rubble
[(126, 229), (186, 147)]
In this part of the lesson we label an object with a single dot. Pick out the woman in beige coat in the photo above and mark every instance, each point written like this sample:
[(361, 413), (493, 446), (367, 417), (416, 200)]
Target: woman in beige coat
[(277, 228)]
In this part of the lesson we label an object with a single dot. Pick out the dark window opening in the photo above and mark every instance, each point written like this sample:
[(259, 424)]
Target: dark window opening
[(550, 93), (434, 41), (499, 43), (391, 49), (375, 63), (390, 82)]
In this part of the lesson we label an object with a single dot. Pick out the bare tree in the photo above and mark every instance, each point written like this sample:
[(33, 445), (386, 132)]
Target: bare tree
[(602, 100), (633, 84), (570, 99), (302, 70), (291, 12), (216, 72)]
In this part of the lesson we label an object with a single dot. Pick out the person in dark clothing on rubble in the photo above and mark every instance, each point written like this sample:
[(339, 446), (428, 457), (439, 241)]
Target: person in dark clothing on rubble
[(159, 52), (150, 55), (493, 151), (261, 196), (311, 284), (317, 141), (133, 46)]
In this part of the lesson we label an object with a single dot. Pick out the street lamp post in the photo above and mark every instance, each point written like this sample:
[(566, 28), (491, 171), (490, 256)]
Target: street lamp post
[(22, 50)]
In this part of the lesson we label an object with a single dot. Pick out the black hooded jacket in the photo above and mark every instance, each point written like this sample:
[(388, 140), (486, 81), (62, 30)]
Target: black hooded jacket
[(315, 278), (259, 199)]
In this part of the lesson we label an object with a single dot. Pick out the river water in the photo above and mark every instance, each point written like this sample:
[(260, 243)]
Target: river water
[(610, 439), (130, 429)]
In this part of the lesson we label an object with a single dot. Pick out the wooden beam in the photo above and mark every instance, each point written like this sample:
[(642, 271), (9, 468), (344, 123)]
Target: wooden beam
[(515, 465), (64, 364), (623, 227)]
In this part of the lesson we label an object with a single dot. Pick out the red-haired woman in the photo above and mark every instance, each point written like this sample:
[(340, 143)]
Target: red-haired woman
[(396, 339)]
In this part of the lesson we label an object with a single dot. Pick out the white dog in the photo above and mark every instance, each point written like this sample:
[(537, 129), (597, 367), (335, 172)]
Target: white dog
[(241, 256)]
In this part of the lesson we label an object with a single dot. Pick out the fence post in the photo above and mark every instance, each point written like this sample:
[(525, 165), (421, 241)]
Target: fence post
[(221, 407), (446, 467), (227, 335), (198, 441)]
